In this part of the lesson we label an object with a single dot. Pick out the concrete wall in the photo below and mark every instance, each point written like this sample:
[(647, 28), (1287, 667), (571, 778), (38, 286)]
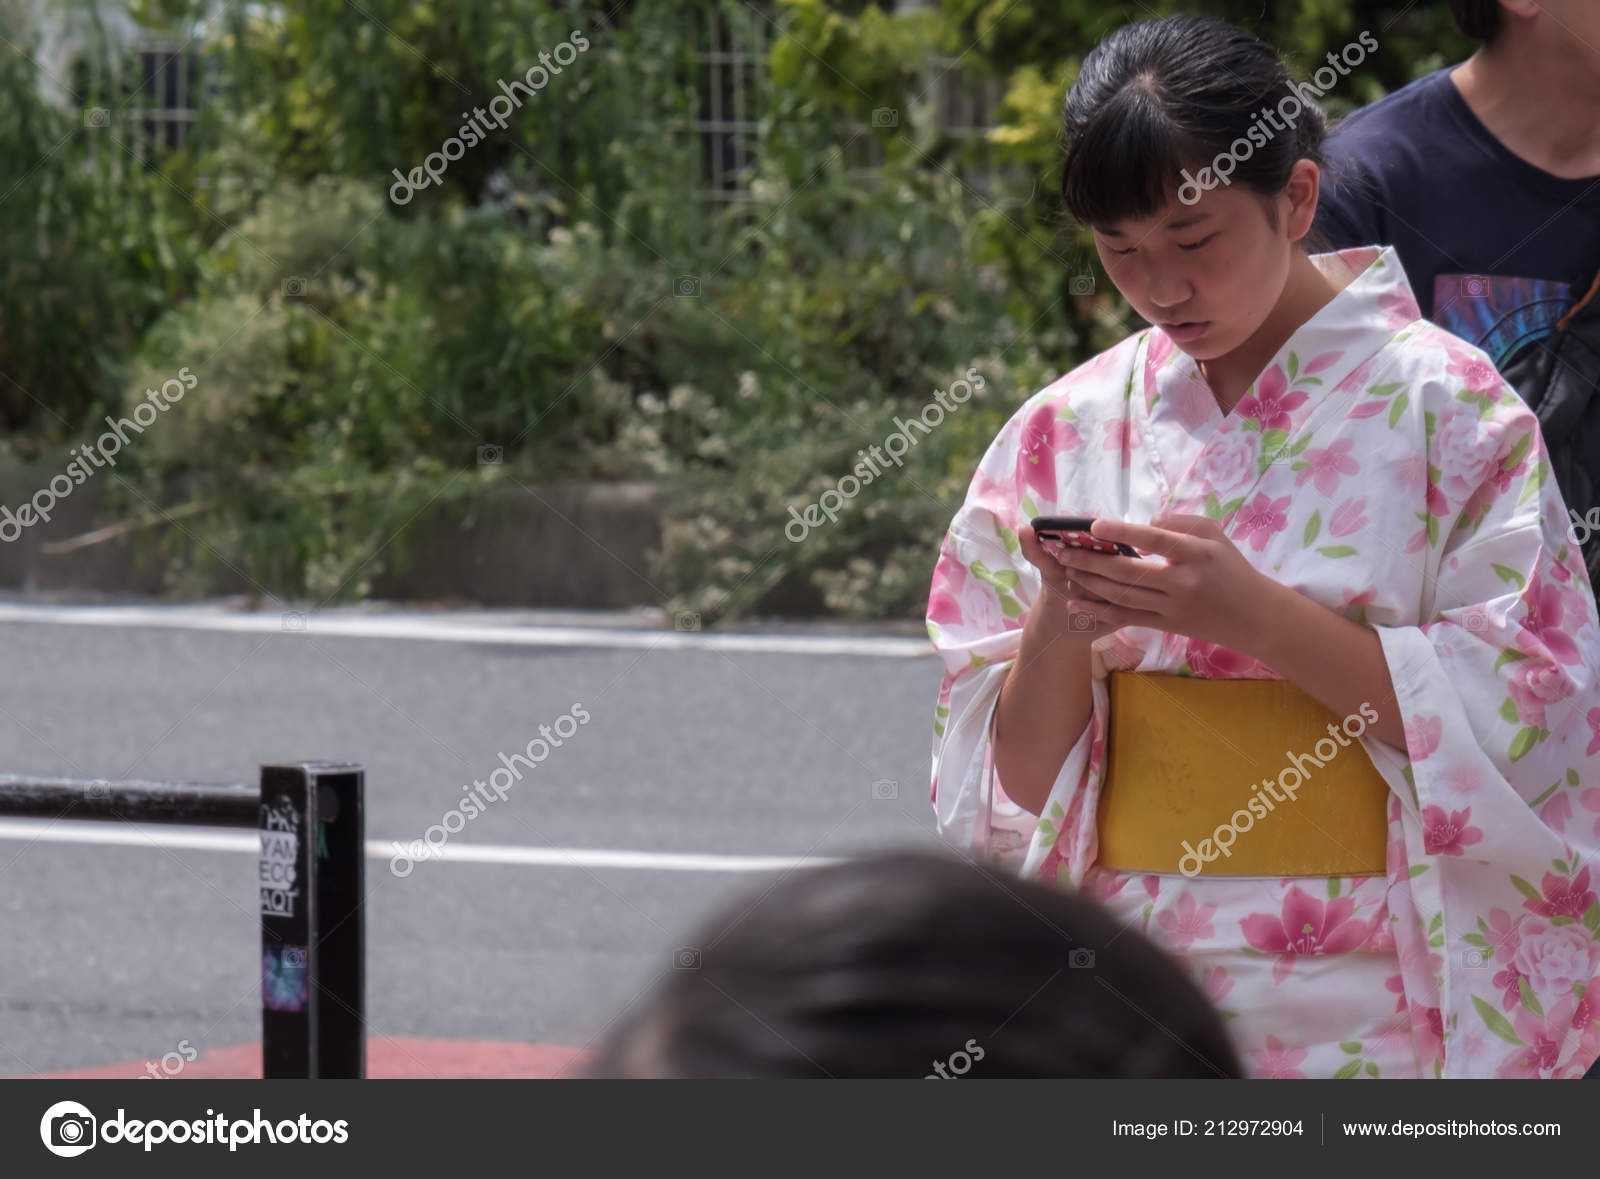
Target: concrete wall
[(562, 545)]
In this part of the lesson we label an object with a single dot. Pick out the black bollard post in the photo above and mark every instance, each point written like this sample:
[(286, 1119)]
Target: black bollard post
[(313, 986)]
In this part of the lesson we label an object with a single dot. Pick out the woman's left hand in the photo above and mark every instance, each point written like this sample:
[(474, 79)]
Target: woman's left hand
[(1207, 590)]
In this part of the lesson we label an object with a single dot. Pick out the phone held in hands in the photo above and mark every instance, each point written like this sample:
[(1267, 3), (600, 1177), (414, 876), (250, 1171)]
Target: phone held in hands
[(1074, 532)]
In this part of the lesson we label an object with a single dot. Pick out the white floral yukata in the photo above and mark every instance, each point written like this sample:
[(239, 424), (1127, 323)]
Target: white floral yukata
[(1381, 467)]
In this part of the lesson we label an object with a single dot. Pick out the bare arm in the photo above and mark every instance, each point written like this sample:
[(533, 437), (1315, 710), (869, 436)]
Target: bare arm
[(1047, 698), (1339, 662)]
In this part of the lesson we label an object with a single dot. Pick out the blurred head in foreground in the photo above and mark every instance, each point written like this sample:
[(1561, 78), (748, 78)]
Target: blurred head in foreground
[(913, 965)]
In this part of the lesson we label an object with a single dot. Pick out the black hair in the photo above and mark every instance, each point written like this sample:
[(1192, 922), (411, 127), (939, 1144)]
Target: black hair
[(909, 965), (1159, 96), (1478, 19)]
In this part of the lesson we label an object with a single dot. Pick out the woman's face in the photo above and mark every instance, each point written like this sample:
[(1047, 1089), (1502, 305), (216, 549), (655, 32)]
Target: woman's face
[(1209, 273)]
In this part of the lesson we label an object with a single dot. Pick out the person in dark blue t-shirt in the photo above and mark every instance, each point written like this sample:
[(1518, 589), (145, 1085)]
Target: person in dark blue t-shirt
[(1485, 177)]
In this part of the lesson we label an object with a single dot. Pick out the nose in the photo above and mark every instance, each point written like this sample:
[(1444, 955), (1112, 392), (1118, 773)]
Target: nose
[(1168, 292)]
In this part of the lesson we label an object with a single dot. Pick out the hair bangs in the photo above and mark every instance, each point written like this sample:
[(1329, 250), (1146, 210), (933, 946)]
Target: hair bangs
[(1126, 163)]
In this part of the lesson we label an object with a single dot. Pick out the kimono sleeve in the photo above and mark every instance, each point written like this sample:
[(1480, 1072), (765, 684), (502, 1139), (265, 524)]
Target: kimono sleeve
[(982, 590), (1498, 694)]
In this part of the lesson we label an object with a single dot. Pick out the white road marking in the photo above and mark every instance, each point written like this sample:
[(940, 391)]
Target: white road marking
[(158, 836), (293, 624)]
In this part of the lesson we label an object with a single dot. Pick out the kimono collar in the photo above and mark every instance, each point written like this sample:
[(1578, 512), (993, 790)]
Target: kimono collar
[(1372, 306), (1310, 377)]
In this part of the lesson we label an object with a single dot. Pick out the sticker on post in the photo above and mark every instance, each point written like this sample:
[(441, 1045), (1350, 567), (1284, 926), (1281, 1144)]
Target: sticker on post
[(283, 978)]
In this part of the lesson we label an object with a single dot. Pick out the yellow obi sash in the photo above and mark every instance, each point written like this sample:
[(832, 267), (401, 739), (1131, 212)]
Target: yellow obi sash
[(1196, 764)]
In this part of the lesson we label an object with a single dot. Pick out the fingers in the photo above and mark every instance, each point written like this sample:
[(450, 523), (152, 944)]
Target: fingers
[(1035, 552), (1118, 593), (1047, 556), (1189, 525), (1148, 538), (1132, 571)]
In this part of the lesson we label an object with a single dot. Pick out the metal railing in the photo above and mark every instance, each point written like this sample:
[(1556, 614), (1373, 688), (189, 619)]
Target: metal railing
[(312, 822)]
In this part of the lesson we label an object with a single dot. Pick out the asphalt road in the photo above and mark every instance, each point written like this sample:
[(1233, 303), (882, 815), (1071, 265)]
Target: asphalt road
[(114, 953)]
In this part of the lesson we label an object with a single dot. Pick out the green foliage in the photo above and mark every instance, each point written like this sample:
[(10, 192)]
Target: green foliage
[(565, 292), (91, 241)]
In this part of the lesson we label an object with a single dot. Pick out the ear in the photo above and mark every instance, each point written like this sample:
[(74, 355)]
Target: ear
[(1300, 195)]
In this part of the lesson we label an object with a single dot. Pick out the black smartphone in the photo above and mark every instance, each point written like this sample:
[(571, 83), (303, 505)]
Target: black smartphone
[(1073, 531)]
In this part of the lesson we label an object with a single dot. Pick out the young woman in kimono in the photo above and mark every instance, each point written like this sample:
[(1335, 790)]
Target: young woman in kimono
[(1332, 735)]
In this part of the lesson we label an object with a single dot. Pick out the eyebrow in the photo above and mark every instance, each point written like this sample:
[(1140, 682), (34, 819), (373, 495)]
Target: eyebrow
[(1180, 223)]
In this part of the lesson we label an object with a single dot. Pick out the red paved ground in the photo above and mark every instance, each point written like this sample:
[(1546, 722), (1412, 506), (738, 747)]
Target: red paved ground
[(387, 1057)]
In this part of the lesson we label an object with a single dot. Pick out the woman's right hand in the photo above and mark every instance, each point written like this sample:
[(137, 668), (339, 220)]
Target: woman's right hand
[(1062, 610)]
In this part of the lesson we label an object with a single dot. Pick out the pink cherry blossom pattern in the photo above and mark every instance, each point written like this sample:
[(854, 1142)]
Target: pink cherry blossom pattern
[(1186, 921), (1216, 983), (1399, 310), (1427, 1029), (1123, 436), (1318, 363), (1271, 404), (1557, 813), (1395, 984), (1475, 370), (1327, 465), (1305, 926), (1277, 1061), (1510, 984), (1448, 833), (1542, 1038), (1258, 521), (1348, 517), (1593, 718), (1502, 937), (1043, 437), (999, 496), (1534, 686), (1590, 799), (1542, 625), (1562, 898), (1211, 662), (1423, 734), (944, 597)]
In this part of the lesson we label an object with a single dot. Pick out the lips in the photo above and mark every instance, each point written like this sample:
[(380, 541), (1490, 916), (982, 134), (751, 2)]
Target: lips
[(1186, 329)]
